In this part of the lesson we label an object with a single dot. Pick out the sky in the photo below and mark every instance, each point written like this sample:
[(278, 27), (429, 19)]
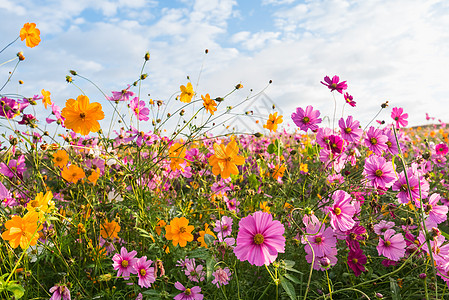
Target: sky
[(395, 51)]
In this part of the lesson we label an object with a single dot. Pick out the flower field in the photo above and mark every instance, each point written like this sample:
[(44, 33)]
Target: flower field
[(357, 211)]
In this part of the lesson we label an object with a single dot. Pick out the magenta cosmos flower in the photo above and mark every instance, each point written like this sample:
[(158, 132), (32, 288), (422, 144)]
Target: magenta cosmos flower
[(350, 130), (441, 149), (14, 167), (145, 273), (415, 182), (260, 239), (392, 246), (349, 100), (399, 117), (124, 263), (322, 240), (188, 293), (379, 172), (342, 211), (376, 141), (436, 213), (336, 144), (334, 84), (139, 109), (60, 291), (306, 119), (356, 261)]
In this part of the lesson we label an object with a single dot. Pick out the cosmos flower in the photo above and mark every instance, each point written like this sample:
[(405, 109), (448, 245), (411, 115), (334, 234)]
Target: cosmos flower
[(144, 272), (46, 98), (259, 239), (186, 93), (192, 293), (179, 231), (203, 233), (321, 239), (342, 211), (392, 246), (225, 160), (272, 122), (223, 227), (209, 104), (109, 230), (60, 291), (349, 129), (73, 173), (441, 149), (306, 119), (22, 231), (398, 116), (30, 34), (60, 158), (221, 276), (334, 84), (415, 181), (349, 100), (124, 263), (379, 172), (82, 116), (139, 109), (376, 141), (356, 261)]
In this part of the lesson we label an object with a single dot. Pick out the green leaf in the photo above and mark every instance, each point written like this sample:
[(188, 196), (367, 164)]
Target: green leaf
[(253, 181), (288, 288), (289, 266), (16, 289), (271, 148), (395, 293), (445, 234), (209, 240), (201, 253), (209, 268), (292, 278)]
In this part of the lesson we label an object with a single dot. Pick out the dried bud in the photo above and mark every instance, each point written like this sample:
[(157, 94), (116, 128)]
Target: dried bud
[(143, 76), (182, 112), (159, 102), (147, 56), (384, 105), (73, 72), (238, 86), (270, 82), (206, 51), (219, 99), (20, 56)]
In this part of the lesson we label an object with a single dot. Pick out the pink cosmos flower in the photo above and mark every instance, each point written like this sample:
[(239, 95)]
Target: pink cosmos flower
[(122, 95), (436, 213), (382, 227), (124, 263), (392, 246), (14, 167), (376, 141), (223, 227), (350, 130), (398, 116), (145, 273), (342, 211), (232, 205), (221, 276), (335, 144), (414, 181), (60, 291), (194, 272), (306, 119), (391, 143), (353, 236), (259, 239), (349, 100), (442, 149), (139, 109), (325, 262), (356, 261), (334, 84), (322, 136), (322, 240), (188, 293), (379, 172)]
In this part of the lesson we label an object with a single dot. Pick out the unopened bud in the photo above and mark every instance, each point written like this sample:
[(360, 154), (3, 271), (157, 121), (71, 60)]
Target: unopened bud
[(73, 72), (238, 86), (20, 56), (147, 56), (258, 134), (384, 105), (143, 76), (68, 79)]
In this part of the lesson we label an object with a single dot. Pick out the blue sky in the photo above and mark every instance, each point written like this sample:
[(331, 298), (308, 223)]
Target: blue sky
[(392, 51)]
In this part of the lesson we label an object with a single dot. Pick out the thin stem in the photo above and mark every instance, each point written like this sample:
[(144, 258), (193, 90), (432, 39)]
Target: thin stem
[(9, 44)]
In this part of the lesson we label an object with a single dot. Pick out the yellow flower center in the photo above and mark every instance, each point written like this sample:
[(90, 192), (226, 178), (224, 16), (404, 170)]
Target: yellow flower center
[(142, 272), (355, 260), (258, 239), (333, 85), (404, 187), (348, 130), (34, 203), (125, 263), (379, 173), (306, 120), (337, 211), (373, 141), (318, 240), (82, 115), (389, 144), (136, 110), (182, 229), (387, 243), (187, 292), (58, 158)]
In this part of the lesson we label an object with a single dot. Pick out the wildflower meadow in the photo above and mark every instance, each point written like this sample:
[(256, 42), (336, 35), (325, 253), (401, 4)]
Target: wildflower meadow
[(141, 209)]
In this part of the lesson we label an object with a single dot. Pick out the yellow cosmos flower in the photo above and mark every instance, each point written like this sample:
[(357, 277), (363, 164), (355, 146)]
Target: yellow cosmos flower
[(73, 173), (41, 205), (209, 104), (226, 160), (273, 121), (22, 231), (179, 231), (31, 34), (82, 116), (203, 233), (264, 207), (60, 158), (186, 93), (109, 230), (46, 100)]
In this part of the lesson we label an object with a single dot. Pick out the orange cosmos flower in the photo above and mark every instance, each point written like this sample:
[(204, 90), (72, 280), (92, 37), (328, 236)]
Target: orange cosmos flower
[(209, 104), (186, 93), (110, 230), (31, 34), (177, 152), (179, 231), (81, 116), (94, 176), (60, 158), (278, 171), (203, 233), (73, 173), (46, 100), (226, 160), (161, 224), (273, 121), (22, 231)]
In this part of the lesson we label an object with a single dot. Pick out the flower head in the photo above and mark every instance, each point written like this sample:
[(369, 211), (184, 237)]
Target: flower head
[(334, 84), (356, 261), (139, 109), (209, 104), (376, 141), (82, 116), (306, 119), (46, 98), (259, 239), (379, 172), (273, 121), (124, 263), (223, 227), (179, 231), (392, 246), (41, 205), (73, 173), (203, 233), (192, 293), (145, 273), (60, 158), (22, 231), (398, 116), (342, 211), (186, 93), (226, 159), (349, 99), (109, 230), (350, 130), (442, 149), (31, 34), (60, 291), (221, 276)]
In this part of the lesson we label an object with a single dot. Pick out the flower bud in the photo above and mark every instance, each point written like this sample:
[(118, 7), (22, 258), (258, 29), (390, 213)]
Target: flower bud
[(147, 56), (73, 72), (423, 275), (379, 296), (20, 56)]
